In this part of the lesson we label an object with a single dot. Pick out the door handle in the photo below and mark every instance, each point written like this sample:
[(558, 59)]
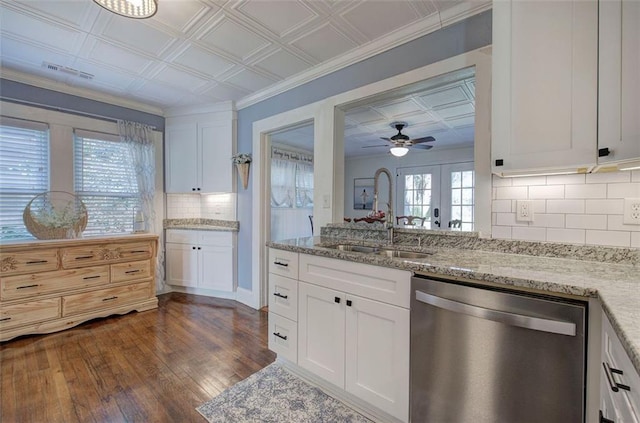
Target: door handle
[(528, 322)]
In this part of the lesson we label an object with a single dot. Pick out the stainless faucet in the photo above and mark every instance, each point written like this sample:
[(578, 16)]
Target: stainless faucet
[(389, 224)]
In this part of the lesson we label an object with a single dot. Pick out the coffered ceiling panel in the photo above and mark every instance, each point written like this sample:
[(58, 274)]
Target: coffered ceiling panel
[(444, 97), (399, 108), (280, 16), (195, 52), (232, 38), (455, 111)]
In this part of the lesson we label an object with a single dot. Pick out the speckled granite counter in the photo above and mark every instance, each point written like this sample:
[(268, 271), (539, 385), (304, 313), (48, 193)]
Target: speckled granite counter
[(200, 224), (616, 284)]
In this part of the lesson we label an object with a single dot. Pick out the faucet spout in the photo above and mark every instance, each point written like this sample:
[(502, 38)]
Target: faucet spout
[(390, 217)]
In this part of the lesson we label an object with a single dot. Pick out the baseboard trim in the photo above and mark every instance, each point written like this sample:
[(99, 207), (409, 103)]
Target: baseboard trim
[(246, 297), (341, 395), (204, 292)]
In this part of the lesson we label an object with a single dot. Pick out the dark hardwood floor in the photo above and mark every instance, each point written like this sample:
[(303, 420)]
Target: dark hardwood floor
[(154, 366)]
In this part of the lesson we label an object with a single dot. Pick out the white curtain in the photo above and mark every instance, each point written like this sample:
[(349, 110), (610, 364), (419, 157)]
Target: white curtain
[(283, 183), (139, 139), (304, 183)]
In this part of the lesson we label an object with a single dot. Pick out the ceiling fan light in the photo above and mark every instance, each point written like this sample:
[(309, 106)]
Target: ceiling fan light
[(137, 9), (399, 151)]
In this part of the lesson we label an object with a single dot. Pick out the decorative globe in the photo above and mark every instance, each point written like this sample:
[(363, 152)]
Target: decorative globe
[(55, 215)]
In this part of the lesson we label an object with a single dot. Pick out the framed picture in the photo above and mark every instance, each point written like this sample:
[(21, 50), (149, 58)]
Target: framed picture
[(363, 194)]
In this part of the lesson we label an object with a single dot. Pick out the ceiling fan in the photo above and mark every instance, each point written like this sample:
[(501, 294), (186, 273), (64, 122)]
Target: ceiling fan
[(402, 143)]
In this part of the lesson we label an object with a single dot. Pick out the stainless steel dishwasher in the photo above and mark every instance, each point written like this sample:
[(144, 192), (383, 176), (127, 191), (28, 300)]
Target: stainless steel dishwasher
[(487, 355)]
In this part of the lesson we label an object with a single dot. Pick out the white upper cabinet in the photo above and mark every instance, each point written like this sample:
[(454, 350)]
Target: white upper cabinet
[(198, 153), (544, 92), (619, 81)]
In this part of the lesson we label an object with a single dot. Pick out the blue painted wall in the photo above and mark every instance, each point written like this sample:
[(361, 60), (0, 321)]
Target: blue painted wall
[(55, 100), (456, 39)]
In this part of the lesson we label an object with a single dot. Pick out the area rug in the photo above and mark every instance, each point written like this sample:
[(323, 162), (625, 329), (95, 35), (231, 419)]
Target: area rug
[(275, 395)]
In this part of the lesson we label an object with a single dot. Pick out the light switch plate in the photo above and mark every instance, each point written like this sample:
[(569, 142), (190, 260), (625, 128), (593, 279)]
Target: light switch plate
[(524, 210), (631, 214)]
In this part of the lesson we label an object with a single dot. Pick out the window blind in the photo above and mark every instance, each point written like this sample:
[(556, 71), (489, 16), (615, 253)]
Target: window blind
[(24, 172), (106, 182)]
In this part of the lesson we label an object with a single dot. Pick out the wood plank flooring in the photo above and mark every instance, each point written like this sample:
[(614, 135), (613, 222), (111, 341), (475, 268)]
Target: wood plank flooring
[(154, 366)]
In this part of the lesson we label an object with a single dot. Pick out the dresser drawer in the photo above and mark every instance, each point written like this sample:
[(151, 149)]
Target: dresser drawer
[(24, 286), (105, 298), (28, 262), (283, 337), (283, 296), (92, 255), (130, 271), (29, 312), (283, 263)]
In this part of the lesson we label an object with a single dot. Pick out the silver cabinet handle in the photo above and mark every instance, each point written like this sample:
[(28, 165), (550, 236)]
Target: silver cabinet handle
[(527, 322)]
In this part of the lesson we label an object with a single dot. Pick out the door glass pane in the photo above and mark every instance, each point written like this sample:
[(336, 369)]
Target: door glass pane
[(417, 196), (462, 201)]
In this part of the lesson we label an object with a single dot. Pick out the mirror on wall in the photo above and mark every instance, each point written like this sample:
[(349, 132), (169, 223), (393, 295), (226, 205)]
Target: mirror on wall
[(423, 134)]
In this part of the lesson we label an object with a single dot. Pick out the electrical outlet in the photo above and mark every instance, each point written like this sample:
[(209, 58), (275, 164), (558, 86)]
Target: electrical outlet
[(631, 211), (524, 211)]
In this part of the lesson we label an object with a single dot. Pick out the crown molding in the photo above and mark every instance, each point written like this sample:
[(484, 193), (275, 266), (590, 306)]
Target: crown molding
[(60, 87), (418, 29), (223, 106)]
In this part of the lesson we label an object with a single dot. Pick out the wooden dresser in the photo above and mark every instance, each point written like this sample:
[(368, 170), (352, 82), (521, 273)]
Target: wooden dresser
[(48, 286)]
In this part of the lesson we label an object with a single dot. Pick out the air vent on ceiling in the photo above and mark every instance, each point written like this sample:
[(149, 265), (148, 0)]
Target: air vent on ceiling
[(67, 70)]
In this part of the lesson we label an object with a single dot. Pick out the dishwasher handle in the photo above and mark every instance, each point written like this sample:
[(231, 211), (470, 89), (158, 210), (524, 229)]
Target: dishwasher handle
[(513, 319)]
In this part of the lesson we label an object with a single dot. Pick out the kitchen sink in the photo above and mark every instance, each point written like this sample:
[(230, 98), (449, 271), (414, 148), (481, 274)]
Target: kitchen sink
[(354, 248), (388, 252), (403, 254)]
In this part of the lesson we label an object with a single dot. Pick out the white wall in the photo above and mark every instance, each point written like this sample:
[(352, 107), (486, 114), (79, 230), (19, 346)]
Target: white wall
[(576, 209)]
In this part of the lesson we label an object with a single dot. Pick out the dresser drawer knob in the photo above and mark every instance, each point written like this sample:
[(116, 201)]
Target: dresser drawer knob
[(4, 319), (109, 298), (91, 277), (38, 261), (27, 286), (83, 257), (132, 271)]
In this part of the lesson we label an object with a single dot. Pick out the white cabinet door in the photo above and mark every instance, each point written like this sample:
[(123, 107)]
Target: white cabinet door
[(182, 265), (544, 99), (216, 268), (619, 80), (377, 354), (181, 157), (321, 326), (216, 149)]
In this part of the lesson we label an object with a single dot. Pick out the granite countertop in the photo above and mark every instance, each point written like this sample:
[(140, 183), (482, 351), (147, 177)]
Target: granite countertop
[(617, 285), (200, 224)]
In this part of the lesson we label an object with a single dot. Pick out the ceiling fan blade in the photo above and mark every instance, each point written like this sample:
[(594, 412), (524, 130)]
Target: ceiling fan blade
[(423, 139), (374, 146), (422, 147), (386, 139)]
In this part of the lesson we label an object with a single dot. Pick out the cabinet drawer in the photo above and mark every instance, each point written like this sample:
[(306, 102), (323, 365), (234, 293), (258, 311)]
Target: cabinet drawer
[(30, 312), (283, 296), (105, 253), (24, 286), (283, 263), (390, 286), (283, 337), (28, 262), (179, 236), (105, 298), (131, 271)]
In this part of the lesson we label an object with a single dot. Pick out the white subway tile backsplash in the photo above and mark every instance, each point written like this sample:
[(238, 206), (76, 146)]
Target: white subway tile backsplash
[(539, 206), (615, 223), (501, 182), (586, 191), (502, 232), (546, 191), (507, 219), (511, 193), (548, 220), (635, 240), (571, 236), (565, 179), (529, 233), (611, 238), (614, 206), (608, 177), (501, 206), (565, 206), (635, 176), (586, 221), (529, 180), (630, 190)]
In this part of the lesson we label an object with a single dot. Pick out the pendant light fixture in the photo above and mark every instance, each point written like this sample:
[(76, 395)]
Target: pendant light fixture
[(399, 151), (137, 9)]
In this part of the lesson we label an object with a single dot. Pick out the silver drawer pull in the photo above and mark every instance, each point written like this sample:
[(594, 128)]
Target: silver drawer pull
[(38, 261), (615, 386), (4, 319), (277, 294), (83, 257), (132, 271), (280, 336), (27, 286), (528, 322), (91, 277), (109, 298)]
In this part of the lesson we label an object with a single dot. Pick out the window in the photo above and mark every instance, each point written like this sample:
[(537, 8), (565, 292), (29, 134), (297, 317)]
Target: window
[(462, 185), (417, 196), (24, 172), (106, 182)]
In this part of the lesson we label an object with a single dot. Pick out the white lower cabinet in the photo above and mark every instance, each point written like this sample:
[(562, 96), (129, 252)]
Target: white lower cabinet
[(201, 259), (619, 381)]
